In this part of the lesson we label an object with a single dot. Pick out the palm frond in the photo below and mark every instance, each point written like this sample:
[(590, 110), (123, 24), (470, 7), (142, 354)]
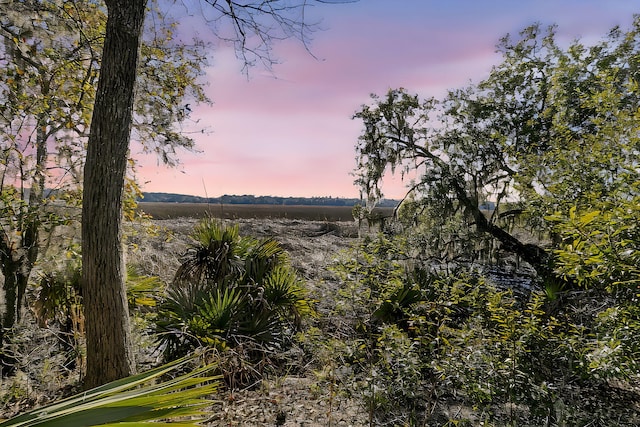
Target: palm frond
[(215, 255), (220, 311), (263, 258), (142, 290), (285, 293), (176, 317), (133, 401)]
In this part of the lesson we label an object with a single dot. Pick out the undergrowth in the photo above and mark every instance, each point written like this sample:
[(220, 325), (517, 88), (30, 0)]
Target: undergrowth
[(393, 341)]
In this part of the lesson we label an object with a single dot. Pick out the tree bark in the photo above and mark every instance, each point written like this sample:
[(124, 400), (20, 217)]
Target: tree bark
[(10, 270), (8, 315), (108, 336), (538, 258)]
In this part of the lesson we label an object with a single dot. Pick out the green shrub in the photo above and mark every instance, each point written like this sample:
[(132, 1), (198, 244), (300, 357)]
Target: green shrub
[(412, 342), (58, 304), (231, 292)]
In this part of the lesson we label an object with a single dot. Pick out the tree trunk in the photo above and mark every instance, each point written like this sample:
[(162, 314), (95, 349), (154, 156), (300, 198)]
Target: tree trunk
[(109, 354), (10, 271), (17, 260), (30, 242), (12, 307), (537, 257)]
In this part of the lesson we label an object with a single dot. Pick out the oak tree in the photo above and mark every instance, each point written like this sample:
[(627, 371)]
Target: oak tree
[(550, 129)]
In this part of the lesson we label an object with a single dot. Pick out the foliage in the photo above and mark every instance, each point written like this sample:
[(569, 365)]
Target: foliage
[(50, 59), (59, 304), (169, 86), (513, 140), (140, 399), (496, 163), (231, 292), (59, 297), (42, 87), (410, 341), (600, 248), (367, 352), (142, 290)]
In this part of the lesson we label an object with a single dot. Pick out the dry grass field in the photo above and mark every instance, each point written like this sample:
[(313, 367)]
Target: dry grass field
[(199, 210)]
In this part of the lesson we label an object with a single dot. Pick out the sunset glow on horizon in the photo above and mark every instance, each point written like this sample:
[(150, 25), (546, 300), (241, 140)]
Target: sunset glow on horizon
[(290, 132)]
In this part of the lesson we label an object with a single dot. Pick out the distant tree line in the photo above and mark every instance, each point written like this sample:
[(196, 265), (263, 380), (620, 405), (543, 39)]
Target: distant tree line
[(260, 200)]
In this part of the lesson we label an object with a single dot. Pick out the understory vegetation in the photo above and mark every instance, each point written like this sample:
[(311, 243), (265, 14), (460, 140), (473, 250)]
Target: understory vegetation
[(392, 340), (235, 294), (414, 344)]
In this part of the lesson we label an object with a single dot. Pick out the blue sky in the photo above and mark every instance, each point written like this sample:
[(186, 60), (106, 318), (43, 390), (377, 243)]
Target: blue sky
[(289, 132)]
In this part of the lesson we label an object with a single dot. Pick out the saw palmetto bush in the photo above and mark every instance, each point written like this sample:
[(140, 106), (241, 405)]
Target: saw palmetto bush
[(58, 305), (232, 293)]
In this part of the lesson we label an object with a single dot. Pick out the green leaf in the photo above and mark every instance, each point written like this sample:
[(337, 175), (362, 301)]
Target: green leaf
[(589, 217)]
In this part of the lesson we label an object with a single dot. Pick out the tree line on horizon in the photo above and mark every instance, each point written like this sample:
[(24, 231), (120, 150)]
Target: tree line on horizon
[(248, 199)]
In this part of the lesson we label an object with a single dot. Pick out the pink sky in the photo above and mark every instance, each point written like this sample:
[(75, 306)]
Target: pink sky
[(290, 132)]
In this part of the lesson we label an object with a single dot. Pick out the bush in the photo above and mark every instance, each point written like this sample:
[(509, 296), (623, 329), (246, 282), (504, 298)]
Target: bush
[(231, 293), (413, 343)]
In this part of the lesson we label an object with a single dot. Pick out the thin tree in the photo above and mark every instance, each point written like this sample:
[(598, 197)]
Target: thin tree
[(47, 69)]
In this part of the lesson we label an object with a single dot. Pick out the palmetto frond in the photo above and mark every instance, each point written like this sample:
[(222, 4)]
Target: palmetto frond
[(217, 252), (174, 322), (284, 292), (262, 259), (220, 310), (142, 290), (135, 400)]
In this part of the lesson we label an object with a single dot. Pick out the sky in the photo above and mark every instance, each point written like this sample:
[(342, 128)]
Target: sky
[(290, 132)]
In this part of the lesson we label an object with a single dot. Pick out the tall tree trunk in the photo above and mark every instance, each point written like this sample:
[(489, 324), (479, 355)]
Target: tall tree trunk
[(109, 353), (10, 269), (8, 315)]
